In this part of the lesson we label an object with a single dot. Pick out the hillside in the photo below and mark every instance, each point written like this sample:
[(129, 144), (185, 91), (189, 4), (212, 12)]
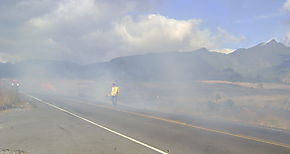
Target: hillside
[(264, 62)]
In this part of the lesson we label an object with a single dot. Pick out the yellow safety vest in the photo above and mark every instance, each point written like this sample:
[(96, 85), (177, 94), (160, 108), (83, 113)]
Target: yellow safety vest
[(115, 91)]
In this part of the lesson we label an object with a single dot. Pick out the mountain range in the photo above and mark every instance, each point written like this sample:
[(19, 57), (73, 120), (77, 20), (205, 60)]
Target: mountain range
[(269, 61)]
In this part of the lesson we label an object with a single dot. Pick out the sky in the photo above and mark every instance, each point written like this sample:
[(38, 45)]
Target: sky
[(89, 31)]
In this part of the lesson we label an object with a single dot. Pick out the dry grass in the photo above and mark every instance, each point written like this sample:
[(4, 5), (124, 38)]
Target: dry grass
[(9, 97), (250, 85), (266, 104)]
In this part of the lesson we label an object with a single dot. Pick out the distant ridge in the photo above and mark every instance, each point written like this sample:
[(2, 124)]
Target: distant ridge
[(266, 61)]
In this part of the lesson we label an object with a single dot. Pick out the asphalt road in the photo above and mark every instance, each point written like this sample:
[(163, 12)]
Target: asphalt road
[(69, 125)]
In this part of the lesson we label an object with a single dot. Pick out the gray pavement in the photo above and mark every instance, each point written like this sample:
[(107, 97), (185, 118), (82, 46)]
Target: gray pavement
[(44, 129)]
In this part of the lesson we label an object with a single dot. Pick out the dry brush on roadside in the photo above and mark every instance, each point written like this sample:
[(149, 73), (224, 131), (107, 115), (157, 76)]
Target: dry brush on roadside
[(10, 97)]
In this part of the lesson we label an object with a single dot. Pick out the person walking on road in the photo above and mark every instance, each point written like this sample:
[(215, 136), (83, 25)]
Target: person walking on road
[(114, 93)]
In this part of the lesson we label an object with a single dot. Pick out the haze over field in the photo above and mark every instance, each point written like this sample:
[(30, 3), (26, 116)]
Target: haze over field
[(145, 76), (265, 62), (195, 57)]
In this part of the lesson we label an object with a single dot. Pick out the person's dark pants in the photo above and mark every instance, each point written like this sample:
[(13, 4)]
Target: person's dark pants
[(114, 100)]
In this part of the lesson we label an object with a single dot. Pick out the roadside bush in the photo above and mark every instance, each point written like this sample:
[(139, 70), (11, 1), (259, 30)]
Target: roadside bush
[(9, 97)]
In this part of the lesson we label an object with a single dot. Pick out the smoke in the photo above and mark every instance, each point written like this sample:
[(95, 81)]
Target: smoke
[(286, 39), (286, 5), (75, 32)]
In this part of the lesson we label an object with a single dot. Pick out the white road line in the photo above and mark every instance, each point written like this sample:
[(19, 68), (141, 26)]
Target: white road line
[(103, 127), (195, 126)]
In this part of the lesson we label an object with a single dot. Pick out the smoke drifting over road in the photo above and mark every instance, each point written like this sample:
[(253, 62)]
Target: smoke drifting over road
[(179, 83), (79, 47)]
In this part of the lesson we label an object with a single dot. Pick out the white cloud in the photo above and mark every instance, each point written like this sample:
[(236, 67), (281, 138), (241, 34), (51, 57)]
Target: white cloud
[(224, 50), (95, 30), (286, 39), (286, 5), (158, 33)]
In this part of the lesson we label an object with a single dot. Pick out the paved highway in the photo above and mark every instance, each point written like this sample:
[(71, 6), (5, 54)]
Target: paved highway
[(95, 127)]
